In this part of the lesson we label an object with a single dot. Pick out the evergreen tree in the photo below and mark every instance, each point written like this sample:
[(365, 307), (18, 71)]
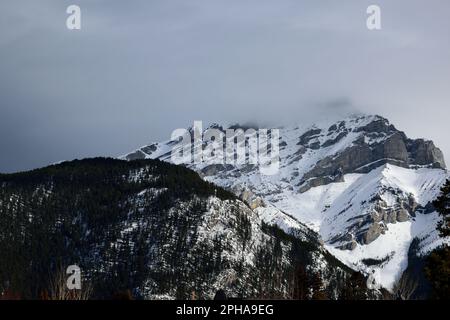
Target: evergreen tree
[(300, 285), (438, 273), (437, 269), (316, 286), (355, 288), (442, 205)]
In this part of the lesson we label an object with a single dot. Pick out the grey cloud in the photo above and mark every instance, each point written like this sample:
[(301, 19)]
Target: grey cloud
[(138, 70)]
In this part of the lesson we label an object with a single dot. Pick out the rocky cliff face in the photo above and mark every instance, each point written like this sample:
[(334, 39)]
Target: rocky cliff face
[(378, 143), (355, 181)]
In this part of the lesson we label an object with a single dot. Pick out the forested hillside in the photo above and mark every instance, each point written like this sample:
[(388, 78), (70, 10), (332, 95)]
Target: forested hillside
[(153, 230)]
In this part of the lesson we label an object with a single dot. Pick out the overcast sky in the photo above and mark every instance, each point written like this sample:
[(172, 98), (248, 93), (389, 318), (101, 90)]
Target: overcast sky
[(139, 69)]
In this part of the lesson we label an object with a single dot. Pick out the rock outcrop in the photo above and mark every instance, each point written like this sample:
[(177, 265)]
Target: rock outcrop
[(378, 143)]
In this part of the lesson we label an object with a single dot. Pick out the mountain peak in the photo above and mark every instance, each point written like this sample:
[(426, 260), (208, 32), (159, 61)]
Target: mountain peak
[(355, 181)]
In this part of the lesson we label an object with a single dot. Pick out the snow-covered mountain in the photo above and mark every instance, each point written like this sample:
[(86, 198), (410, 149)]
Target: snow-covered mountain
[(360, 183)]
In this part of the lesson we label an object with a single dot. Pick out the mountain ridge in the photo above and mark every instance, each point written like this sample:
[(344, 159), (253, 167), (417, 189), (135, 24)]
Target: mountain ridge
[(319, 163), (157, 230)]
